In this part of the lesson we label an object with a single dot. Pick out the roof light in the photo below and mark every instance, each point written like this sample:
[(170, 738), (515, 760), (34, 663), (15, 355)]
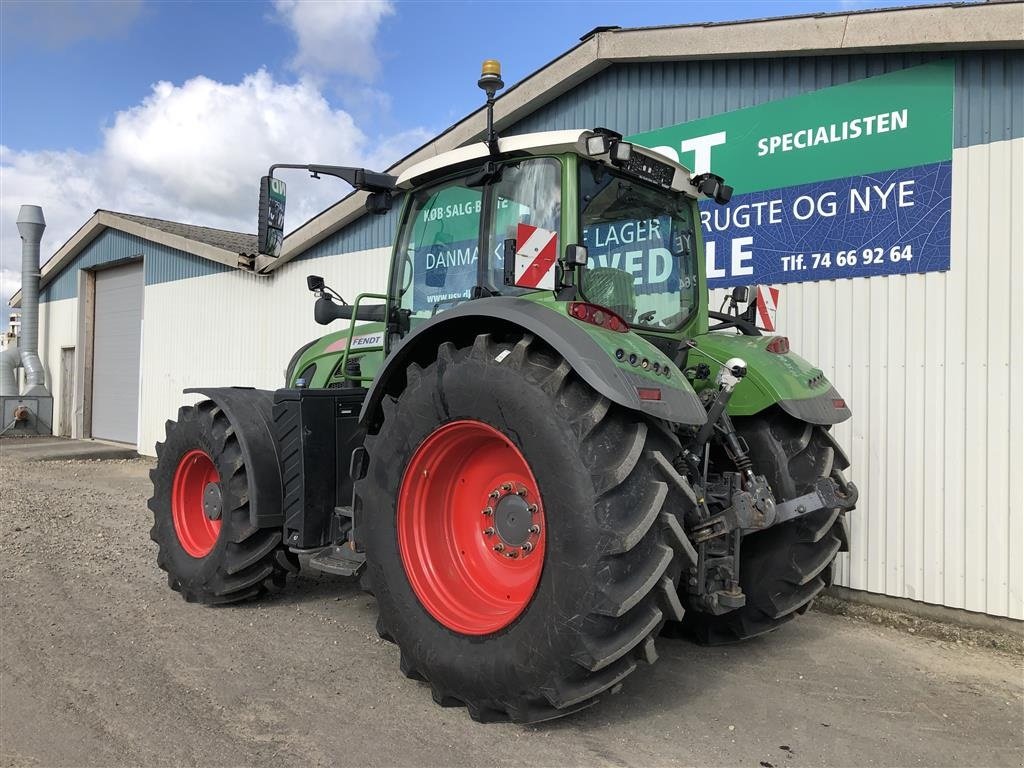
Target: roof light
[(621, 153), (490, 77), (597, 145), (575, 255), (779, 345)]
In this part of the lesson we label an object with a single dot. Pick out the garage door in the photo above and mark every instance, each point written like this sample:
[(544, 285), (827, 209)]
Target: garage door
[(116, 352)]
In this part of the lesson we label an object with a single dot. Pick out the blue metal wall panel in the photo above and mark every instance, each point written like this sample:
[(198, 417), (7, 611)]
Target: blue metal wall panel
[(631, 98), (161, 263), (367, 232)]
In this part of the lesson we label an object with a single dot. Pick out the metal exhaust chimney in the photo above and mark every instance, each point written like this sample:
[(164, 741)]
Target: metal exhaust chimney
[(31, 412), (30, 226)]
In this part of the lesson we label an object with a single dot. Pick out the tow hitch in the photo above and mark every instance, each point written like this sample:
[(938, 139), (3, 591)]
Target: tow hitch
[(754, 510)]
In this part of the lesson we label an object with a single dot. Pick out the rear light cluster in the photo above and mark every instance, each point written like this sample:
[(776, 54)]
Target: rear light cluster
[(779, 345), (597, 315)]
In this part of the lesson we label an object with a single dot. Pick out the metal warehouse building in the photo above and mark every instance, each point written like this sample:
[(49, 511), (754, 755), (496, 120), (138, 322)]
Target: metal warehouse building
[(894, 233)]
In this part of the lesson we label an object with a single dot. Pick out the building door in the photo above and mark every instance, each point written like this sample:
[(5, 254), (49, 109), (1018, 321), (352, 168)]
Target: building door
[(67, 389), (116, 352)]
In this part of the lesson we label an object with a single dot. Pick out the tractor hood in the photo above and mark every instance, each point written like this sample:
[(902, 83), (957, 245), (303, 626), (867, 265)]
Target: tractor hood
[(326, 352)]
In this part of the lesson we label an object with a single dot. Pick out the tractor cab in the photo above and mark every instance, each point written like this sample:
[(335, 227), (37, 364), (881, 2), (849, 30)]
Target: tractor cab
[(569, 215)]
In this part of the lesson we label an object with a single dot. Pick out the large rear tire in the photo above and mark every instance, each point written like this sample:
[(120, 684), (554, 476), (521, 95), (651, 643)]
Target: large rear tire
[(209, 548), (506, 426), (783, 568)]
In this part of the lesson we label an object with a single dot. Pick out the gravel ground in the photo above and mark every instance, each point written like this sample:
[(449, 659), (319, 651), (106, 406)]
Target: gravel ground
[(101, 664)]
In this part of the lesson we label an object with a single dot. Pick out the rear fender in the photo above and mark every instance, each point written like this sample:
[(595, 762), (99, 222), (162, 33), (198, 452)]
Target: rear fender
[(591, 361), (783, 379), (250, 412)]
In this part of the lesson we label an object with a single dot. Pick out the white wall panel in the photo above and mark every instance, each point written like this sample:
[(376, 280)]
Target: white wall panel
[(58, 327), (931, 366), (235, 328)]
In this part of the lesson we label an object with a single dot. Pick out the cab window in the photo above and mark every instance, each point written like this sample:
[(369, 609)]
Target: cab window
[(528, 194), (440, 244)]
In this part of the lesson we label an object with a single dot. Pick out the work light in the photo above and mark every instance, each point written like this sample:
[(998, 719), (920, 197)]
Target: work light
[(622, 151), (575, 255), (597, 145)]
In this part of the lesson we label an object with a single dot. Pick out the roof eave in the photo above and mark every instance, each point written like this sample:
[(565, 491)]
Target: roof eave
[(102, 220)]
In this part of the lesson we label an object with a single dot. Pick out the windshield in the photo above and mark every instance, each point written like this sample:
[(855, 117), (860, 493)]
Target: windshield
[(642, 248)]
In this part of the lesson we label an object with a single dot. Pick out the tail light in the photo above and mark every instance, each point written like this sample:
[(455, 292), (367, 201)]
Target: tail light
[(597, 315), (648, 393), (779, 345)]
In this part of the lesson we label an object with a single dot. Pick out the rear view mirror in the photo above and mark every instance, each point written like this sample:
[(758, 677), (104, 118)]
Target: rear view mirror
[(314, 283), (270, 224), (438, 276), (741, 294)]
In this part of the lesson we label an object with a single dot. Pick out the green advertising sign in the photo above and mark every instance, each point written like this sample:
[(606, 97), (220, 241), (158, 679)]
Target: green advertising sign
[(898, 120), (849, 181)]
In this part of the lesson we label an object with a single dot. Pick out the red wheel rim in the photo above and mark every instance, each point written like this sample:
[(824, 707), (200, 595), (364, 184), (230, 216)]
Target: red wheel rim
[(471, 528), (196, 532)]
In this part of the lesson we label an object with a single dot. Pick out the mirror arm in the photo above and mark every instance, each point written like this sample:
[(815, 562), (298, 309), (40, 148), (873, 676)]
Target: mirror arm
[(359, 178)]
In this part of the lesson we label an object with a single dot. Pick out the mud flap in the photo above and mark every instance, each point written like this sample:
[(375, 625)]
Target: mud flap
[(250, 412)]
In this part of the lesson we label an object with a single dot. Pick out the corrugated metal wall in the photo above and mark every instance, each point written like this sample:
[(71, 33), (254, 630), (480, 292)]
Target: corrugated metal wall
[(237, 329), (931, 365), (989, 104)]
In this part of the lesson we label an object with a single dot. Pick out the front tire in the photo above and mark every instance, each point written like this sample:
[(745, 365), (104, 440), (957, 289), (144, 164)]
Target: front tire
[(573, 613), (207, 545), (783, 568)]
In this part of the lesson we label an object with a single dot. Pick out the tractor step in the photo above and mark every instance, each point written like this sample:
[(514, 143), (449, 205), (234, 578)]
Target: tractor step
[(340, 560)]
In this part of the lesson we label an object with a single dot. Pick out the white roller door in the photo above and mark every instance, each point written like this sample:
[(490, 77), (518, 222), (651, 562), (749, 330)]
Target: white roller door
[(116, 353)]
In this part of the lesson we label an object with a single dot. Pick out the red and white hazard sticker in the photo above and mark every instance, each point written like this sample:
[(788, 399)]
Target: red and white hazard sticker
[(536, 254), (767, 304)]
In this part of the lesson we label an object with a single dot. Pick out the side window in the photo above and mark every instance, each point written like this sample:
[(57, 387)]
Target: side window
[(440, 243), (529, 193)]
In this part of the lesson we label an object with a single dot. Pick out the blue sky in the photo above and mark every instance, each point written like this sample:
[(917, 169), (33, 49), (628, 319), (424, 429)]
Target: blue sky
[(171, 109)]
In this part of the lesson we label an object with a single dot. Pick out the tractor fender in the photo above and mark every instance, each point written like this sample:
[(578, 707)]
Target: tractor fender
[(251, 413), (592, 363)]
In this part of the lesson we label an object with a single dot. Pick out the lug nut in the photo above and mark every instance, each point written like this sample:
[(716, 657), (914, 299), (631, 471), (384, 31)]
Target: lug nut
[(488, 531), (532, 509), (527, 547), (521, 492), (512, 553), (493, 494), (488, 510), (499, 547), (506, 487), (534, 529)]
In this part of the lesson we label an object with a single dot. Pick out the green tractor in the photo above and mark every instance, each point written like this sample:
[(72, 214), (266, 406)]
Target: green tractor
[(532, 449)]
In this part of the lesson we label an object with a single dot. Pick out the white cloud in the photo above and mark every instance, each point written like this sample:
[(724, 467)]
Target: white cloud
[(335, 37), (192, 152)]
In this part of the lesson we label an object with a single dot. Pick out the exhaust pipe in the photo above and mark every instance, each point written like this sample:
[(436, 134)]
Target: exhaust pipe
[(30, 226)]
